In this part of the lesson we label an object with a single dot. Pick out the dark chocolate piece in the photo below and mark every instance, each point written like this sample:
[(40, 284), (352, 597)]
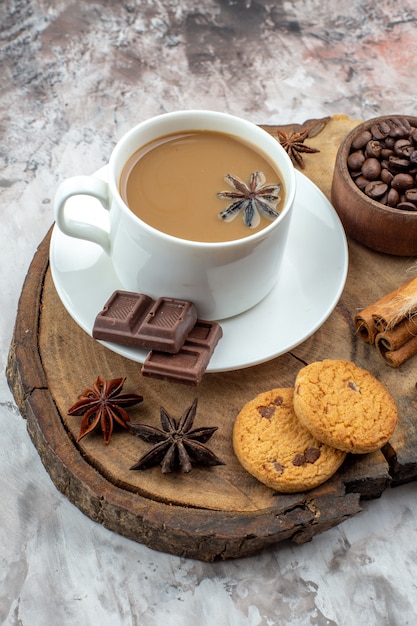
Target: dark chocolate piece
[(190, 363), (121, 317), (167, 324), (135, 320), (205, 335)]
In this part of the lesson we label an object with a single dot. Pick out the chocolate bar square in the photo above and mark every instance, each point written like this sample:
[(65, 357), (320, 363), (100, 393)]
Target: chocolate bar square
[(121, 317), (167, 324), (190, 363)]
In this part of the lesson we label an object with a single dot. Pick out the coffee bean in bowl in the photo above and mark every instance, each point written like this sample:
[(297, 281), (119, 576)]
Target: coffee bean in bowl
[(374, 188)]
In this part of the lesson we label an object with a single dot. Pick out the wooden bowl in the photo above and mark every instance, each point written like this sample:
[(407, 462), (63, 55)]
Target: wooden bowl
[(380, 227)]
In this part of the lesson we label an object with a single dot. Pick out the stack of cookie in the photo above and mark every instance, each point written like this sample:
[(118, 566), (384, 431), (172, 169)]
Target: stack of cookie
[(294, 439)]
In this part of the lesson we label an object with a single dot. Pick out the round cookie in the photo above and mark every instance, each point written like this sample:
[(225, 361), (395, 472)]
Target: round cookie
[(273, 446), (344, 406)]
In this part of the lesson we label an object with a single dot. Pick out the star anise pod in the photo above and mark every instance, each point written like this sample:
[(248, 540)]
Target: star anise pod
[(293, 144), (177, 446), (253, 199), (102, 406)]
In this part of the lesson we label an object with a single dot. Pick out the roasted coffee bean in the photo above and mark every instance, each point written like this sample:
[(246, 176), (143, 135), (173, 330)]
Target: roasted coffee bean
[(404, 148), (398, 128), (406, 151), (386, 176), (386, 153), (407, 125), (402, 181), (376, 189), (380, 130), (407, 206), (393, 197), (361, 182), (396, 164), (361, 140), (413, 157), (371, 168), (373, 149), (411, 195), (356, 160)]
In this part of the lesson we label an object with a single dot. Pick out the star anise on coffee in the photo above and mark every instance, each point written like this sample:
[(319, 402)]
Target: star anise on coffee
[(176, 445), (253, 199), (293, 144), (102, 406)]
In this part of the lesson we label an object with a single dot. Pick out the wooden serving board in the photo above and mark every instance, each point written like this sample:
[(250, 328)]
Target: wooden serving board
[(221, 512)]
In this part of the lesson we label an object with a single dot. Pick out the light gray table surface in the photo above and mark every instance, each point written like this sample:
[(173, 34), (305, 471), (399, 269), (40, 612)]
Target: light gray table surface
[(74, 76)]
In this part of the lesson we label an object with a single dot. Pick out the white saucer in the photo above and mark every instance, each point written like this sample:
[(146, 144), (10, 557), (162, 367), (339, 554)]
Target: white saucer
[(310, 283)]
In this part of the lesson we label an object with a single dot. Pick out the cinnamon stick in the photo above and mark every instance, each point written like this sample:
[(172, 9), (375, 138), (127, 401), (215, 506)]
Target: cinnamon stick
[(395, 358), (396, 337), (387, 312), (365, 325)]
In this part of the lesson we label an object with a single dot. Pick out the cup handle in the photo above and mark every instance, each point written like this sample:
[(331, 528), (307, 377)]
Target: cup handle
[(82, 185)]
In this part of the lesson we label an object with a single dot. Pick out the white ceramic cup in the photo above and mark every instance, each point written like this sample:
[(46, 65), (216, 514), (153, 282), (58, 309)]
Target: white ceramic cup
[(223, 278)]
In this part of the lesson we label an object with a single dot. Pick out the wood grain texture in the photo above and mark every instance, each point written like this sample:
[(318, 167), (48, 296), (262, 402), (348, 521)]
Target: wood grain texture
[(221, 512)]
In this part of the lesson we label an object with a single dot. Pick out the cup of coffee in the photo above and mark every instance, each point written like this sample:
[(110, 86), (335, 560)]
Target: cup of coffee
[(199, 206)]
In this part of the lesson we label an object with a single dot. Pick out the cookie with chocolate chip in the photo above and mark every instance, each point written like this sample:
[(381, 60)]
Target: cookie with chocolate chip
[(273, 446), (344, 406)]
